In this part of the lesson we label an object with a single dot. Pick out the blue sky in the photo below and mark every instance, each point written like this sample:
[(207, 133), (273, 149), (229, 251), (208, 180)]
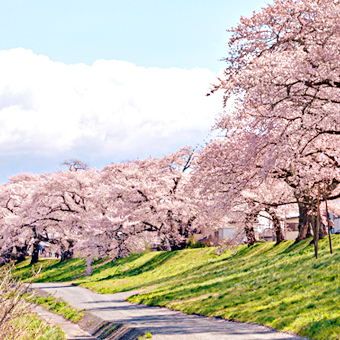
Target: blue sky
[(162, 33), (158, 44)]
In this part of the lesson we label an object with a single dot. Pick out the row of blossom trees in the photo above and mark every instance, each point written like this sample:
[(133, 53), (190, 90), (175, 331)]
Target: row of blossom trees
[(280, 153), (124, 207)]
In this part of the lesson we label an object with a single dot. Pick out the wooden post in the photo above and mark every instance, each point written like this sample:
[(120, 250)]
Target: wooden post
[(316, 234)]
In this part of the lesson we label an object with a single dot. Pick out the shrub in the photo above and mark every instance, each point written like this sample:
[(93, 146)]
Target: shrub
[(16, 314)]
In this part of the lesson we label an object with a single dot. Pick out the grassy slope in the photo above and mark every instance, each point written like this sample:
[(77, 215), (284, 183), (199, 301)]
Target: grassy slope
[(283, 287), (51, 270)]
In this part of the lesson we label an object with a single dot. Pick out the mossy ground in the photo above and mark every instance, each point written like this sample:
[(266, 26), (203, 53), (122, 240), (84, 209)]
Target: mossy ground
[(283, 286)]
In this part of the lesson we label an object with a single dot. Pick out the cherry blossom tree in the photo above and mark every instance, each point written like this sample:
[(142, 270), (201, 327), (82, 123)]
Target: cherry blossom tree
[(146, 201), (282, 78), (227, 174), (53, 208), (14, 201), (65, 206), (74, 164)]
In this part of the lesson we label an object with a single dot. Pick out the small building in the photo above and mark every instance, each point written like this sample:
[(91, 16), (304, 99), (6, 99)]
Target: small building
[(263, 230), (291, 227), (228, 231), (268, 235)]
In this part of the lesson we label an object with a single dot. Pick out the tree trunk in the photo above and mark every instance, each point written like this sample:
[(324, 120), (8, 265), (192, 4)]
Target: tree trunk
[(249, 229), (66, 255), (322, 231), (315, 219), (167, 245), (316, 236), (304, 228), (21, 253), (5, 257), (278, 230), (35, 252), (309, 230), (66, 251)]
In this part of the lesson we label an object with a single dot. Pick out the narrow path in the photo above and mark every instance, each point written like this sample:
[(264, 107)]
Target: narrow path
[(164, 324), (72, 331)]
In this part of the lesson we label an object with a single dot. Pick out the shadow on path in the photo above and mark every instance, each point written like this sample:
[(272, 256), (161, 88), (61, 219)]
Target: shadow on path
[(164, 324)]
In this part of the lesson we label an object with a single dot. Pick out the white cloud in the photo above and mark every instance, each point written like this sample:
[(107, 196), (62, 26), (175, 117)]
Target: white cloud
[(112, 109)]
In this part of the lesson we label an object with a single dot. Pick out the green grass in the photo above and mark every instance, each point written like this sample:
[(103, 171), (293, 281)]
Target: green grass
[(34, 323), (280, 286), (147, 335), (59, 307), (51, 270)]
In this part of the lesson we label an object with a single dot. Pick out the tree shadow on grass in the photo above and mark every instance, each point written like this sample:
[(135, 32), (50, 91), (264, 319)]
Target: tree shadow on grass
[(115, 263), (322, 329), (61, 272), (212, 268), (271, 311), (195, 274), (147, 266)]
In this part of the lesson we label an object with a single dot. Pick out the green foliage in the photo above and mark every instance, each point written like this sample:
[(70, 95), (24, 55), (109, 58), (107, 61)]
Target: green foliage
[(59, 307)]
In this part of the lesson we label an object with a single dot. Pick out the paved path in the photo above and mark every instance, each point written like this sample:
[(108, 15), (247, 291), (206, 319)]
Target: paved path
[(72, 331), (164, 324)]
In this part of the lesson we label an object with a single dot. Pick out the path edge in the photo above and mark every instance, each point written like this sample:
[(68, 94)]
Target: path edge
[(96, 326)]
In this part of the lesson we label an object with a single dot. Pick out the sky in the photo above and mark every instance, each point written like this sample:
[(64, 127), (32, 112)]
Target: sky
[(106, 81)]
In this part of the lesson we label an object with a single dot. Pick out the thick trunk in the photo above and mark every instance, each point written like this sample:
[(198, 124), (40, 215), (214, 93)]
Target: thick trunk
[(184, 232), (21, 253), (66, 251), (250, 233), (35, 252), (250, 220), (278, 230), (122, 250), (304, 228), (66, 255), (309, 230)]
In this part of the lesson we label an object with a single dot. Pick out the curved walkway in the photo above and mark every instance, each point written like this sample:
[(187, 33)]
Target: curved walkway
[(164, 324)]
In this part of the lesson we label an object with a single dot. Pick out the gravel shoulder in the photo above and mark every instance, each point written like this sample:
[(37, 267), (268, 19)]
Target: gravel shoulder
[(164, 324)]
